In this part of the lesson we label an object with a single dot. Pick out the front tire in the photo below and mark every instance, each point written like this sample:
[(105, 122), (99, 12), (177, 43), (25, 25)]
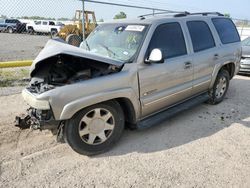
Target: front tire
[(53, 33), (95, 129), (10, 30), (219, 90)]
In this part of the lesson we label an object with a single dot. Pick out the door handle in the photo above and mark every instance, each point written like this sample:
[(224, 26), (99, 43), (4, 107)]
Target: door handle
[(187, 65), (216, 56)]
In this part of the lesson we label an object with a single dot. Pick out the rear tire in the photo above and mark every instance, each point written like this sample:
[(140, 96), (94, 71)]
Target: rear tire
[(95, 129), (220, 87), (30, 31)]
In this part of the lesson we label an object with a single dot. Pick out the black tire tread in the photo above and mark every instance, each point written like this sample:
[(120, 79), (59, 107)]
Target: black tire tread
[(74, 140), (213, 100)]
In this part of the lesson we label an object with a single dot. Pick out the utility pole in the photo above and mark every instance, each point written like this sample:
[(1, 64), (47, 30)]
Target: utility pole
[(83, 21)]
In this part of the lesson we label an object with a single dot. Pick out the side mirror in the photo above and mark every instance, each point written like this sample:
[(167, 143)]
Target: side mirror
[(155, 56)]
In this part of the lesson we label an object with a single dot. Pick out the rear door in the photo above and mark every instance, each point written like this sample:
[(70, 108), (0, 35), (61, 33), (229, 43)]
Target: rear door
[(45, 27), (165, 84), (38, 26), (204, 55)]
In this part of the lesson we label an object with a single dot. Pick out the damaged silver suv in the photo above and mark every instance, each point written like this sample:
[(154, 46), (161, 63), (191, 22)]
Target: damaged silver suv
[(135, 73)]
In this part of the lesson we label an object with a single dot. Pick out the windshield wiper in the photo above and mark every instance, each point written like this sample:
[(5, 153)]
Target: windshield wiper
[(87, 44), (107, 48)]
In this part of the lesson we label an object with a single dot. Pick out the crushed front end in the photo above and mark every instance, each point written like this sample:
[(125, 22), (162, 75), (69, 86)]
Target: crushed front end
[(56, 76), (38, 116)]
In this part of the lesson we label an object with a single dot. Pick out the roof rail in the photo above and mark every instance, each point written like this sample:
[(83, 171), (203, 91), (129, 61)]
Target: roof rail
[(199, 13), (165, 12), (180, 14)]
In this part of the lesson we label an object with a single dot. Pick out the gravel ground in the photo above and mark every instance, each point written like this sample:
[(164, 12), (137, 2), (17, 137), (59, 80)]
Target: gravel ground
[(20, 46), (206, 146), (5, 91)]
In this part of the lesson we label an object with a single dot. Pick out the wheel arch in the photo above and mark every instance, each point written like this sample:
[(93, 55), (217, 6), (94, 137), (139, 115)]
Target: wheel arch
[(128, 109), (127, 100), (8, 27), (53, 29), (228, 66)]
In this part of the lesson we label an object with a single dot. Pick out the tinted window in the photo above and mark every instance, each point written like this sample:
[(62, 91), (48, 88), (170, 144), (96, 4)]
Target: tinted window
[(226, 30), (201, 35), (45, 23), (169, 38), (11, 21), (51, 23), (38, 23)]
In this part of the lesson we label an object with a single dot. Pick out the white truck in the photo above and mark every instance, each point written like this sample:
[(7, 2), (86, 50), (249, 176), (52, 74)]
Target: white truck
[(44, 26)]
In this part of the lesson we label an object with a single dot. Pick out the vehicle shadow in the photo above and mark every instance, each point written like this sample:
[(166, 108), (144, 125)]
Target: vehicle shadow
[(197, 123)]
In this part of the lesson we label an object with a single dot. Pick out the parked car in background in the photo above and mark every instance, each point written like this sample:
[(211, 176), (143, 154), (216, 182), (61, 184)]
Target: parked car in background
[(245, 59), (12, 25), (130, 72), (44, 26)]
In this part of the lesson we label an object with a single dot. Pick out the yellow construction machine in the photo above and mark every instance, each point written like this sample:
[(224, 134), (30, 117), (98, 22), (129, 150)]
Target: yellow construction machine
[(73, 33)]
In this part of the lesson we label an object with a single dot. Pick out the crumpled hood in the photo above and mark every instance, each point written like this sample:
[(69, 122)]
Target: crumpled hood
[(57, 47)]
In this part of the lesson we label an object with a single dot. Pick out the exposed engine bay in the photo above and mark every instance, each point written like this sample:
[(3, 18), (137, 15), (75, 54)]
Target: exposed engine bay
[(60, 64), (66, 69)]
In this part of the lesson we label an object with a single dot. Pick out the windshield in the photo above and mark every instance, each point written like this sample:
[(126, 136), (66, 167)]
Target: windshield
[(119, 42), (246, 42)]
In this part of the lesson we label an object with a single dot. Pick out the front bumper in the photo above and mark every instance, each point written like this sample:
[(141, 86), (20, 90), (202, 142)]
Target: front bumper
[(37, 119), (33, 101), (38, 116), (245, 66)]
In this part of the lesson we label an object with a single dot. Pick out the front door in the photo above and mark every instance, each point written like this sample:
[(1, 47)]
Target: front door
[(162, 85)]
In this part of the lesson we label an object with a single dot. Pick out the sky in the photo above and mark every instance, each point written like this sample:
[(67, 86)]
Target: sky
[(66, 8)]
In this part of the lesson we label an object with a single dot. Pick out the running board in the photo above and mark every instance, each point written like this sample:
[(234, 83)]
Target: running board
[(166, 114)]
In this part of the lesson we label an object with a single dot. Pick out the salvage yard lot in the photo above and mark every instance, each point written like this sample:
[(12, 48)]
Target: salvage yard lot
[(20, 46), (206, 146)]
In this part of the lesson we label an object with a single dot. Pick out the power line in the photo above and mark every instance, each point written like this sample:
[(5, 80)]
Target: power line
[(166, 4), (130, 6)]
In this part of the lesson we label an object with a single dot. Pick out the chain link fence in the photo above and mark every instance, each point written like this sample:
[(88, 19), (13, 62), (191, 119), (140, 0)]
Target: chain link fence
[(243, 27), (21, 45), (17, 44)]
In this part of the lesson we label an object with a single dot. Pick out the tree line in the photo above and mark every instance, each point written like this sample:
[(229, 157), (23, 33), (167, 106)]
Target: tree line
[(120, 15)]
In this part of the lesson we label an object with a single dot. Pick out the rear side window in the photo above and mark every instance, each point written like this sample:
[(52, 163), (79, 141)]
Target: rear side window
[(201, 35), (226, 30), (51, 23), (169, 38), (12, 21), (38, 23)]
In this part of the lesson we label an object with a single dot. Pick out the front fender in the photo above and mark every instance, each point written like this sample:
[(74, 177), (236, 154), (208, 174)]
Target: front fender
[(73, 107)]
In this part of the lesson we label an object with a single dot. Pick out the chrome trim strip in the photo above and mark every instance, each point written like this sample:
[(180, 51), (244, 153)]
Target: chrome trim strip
[(202, 83), (167, 96)]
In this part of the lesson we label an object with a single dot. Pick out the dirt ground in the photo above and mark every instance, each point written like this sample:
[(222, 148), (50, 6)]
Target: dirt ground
[(206, 146)]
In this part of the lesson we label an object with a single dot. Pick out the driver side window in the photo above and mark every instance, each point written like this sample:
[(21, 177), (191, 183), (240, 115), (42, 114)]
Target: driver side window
[(169, 39)]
